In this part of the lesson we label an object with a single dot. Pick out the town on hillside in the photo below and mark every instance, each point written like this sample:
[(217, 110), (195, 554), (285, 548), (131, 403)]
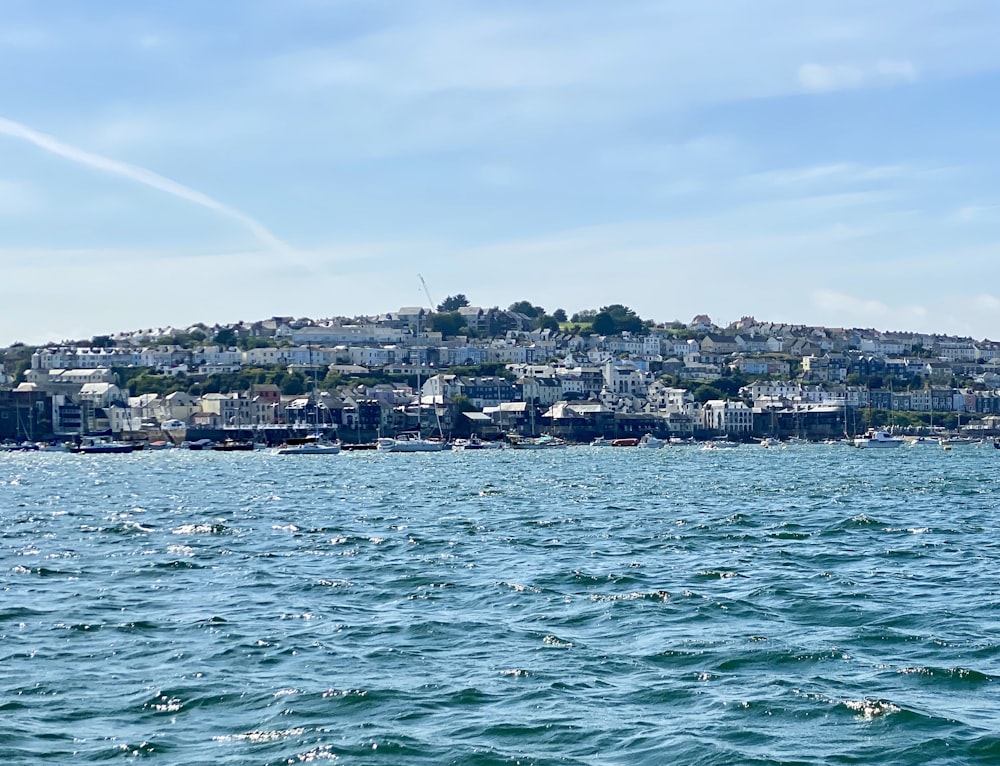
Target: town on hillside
[(463, 370)]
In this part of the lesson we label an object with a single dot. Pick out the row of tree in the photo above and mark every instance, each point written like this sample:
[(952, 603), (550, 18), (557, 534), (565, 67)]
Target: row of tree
[(609, 320)]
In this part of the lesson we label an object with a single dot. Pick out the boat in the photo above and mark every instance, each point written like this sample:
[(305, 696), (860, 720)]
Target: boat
[(94, 445), (53, 447), (720, 444), (198, 444), (877, 439), (408, 441), (651, 442), (413, 441), (602, 441), (314, 444), (357, 446), (474, 443), (770, 442), (545, 441), (233, 445), (958, 441)]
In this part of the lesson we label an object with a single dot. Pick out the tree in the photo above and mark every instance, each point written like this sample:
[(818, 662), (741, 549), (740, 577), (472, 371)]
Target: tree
[(548, 323), (705, 392), (525, 307), (603, 323), (448, 323), (559, 315), (294, 384), (226, 337), (626, 320), (453, 303)]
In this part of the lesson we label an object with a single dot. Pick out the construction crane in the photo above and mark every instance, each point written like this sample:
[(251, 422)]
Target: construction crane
[(427, 293)]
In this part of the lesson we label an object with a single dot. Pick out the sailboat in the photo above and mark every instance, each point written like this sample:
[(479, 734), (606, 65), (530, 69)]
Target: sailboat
[(315, 443), (411, 441)]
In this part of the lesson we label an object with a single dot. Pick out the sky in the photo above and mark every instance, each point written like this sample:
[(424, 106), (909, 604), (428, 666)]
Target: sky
[(178, 161)]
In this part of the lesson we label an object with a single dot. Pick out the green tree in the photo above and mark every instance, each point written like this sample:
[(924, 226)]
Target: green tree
[(226, 337), (560, 315), (705, 392), (603, 323), (525, 307), (626, 320), (293, 384), (449, 324), (462, 404), (545, 322), (453, 303)]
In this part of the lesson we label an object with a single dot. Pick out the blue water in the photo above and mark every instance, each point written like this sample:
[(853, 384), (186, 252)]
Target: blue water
[(812, 605)]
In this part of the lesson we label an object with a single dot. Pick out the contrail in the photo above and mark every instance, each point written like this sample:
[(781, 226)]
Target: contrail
[(141, 176)]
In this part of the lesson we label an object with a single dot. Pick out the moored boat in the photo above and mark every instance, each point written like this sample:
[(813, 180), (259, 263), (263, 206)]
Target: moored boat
[(627, 442), (651, 442), (233, 445), (314, 444), (719, 444), (94, 445), (545, 441), (877, 439), (408, 441), (475, 443)]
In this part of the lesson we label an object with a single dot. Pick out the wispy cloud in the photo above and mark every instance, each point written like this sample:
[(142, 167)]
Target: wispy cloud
[(973, 213), (141, 176), (821, 78)]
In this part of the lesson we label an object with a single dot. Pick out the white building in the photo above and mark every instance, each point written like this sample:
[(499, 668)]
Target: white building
[(625, 378), (727, 417)]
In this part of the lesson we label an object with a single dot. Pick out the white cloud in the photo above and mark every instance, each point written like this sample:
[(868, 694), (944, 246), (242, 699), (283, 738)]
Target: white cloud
[(902, 71), (823, 78), (974, 213), (140, 176)]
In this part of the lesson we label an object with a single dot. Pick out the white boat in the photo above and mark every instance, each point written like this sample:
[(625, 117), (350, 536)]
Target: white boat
[(53, 447), (958, 441), (475, 443), (535, 442), (877, 439), (408, 441), (651, 442), (770, 442), (720, 444), (601, 441), (310, 445)]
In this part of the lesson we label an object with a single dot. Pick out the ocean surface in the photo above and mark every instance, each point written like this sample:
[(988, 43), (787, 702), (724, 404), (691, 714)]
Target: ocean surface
[(809, 605)]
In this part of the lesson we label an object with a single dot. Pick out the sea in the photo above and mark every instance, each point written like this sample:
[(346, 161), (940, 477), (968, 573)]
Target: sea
[(814, 604)]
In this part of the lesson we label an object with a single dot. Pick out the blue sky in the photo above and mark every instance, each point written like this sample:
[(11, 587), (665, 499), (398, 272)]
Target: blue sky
[(168, 162)]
